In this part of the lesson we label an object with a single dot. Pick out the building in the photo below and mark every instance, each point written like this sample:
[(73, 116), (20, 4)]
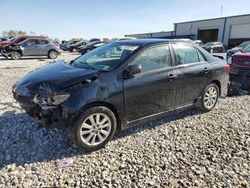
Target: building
[(229, 30)]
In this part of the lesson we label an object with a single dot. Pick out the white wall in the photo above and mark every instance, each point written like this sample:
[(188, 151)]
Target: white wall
[(191, 28), (148, 35), (234, 22)]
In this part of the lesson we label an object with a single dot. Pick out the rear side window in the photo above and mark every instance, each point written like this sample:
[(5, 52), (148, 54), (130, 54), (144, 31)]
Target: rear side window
[(42, 42), (154, 58), (186, 54)]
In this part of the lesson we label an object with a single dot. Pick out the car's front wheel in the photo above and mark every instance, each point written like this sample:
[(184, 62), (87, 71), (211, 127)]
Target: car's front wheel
[(52, 54), (15, 55), (210, 97), (95, 127)]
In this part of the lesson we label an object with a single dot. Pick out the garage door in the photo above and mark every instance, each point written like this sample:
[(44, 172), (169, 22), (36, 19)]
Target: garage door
[(208, 35), (239, 34), (240, 31)]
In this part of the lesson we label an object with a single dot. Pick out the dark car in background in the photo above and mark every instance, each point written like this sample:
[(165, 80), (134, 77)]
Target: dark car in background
[(215, 47), (90, 46), (31, 47), (74, 47), (94, 40), (240, 71), (3, 39), (236, 49), (119, 84), (66, 44)]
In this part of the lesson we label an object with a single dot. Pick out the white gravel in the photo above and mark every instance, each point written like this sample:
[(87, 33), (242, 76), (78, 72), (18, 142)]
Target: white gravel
[(183, 150)]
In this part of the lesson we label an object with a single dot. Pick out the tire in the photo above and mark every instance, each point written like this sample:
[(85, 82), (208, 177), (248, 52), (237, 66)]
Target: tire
[(94, 128), (209, 98), (15, 55), (52, 54)]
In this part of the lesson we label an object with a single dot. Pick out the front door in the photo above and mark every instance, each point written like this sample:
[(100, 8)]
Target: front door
[(153, 90), (30, 47)]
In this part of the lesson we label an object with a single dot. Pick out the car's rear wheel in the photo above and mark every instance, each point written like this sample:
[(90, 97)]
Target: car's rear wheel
[(95, 127), (52, 54), (15, 55), (210, 97)]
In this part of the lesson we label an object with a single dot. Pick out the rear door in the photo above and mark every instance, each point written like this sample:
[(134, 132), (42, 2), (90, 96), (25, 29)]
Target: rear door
[(43, 46), (194, 73), (153, 90)]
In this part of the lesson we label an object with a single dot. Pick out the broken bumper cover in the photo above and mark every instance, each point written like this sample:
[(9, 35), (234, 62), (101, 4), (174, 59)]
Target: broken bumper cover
[(49, 116)]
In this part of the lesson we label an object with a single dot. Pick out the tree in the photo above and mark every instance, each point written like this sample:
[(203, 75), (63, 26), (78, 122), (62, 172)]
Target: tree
[(13, 33)]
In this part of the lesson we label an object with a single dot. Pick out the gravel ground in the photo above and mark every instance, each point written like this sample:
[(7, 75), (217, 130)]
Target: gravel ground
[(183, 150)]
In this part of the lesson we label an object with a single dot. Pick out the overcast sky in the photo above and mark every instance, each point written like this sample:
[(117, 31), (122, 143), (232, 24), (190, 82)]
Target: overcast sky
[(109, 18)]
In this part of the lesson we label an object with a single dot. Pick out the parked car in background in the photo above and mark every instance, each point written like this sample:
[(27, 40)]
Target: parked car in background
[(90, 46), (31, 47), (19, 39), (65, 45), (240, 71), (237, 49), (3, 39), (74, 47), (122, 38), (121, 83), (215, 47), (94, 40), (198, 42)]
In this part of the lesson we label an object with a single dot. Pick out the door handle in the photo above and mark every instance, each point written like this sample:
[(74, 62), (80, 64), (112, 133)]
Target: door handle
[(205, 70), (172, 76)]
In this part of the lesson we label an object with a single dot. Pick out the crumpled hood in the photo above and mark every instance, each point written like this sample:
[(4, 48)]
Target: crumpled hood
[(58, 74)]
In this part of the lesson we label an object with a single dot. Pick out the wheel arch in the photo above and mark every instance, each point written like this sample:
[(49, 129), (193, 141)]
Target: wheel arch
[(217, 82), (51, 50), (104, 104)]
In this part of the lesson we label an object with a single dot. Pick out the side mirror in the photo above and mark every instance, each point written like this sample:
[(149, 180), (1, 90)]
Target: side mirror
[(134, 69)]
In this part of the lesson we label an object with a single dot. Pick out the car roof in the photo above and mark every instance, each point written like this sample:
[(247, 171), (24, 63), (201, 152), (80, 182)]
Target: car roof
[(145, 42)]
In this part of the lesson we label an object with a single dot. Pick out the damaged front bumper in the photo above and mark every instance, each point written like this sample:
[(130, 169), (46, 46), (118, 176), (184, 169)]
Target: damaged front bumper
[(51, 116)]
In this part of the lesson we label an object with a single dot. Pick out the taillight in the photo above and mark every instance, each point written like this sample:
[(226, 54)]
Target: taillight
[(228, 68)]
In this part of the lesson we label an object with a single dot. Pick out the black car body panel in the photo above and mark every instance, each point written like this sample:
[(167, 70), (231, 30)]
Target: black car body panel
[(131, 98)]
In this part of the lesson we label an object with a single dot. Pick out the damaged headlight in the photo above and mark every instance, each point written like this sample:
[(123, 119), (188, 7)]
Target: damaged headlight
[(47, 97)]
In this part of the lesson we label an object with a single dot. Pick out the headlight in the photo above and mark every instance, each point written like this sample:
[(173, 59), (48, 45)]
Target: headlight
[(47, 97), (56, 99)]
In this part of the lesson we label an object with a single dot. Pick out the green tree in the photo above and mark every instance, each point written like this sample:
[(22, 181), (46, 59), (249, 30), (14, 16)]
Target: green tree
[(13, 33)]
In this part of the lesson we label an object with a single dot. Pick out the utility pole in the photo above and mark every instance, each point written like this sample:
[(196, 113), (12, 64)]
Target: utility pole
[(221, 8)]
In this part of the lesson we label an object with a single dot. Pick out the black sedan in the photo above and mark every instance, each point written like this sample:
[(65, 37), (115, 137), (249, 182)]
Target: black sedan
[(90, 46), (119, 84)]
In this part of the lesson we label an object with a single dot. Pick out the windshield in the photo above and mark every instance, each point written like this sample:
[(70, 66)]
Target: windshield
[(106, 57), (244, 44), (210, 44)]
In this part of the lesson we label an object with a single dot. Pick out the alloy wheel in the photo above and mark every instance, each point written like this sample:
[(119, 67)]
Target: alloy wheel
[(15, 55), (210, 98), (95, 129), (53, 54)]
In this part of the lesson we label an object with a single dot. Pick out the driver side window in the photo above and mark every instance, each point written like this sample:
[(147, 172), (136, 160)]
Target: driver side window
[(154, 58)]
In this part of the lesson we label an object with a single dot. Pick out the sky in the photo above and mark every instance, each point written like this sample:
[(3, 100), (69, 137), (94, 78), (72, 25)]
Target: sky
[(66, 19)]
